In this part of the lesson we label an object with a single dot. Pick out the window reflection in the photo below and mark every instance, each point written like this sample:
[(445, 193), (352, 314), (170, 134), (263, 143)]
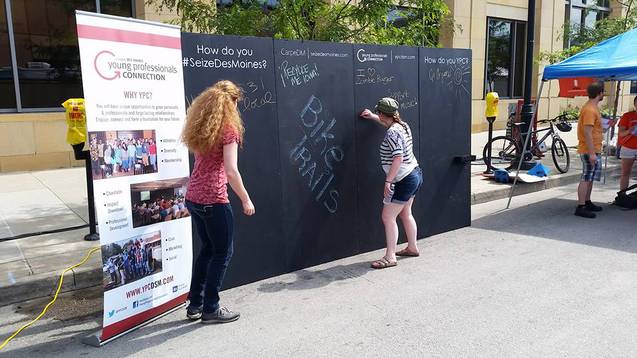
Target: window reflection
[(7, 88), (47, 53), (506, 44), (499, 61), (123, 8)]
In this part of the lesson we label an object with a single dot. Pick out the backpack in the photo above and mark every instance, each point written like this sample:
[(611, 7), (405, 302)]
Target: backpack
[(627, 199)]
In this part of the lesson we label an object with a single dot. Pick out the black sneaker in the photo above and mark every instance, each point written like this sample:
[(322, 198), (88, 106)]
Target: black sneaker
[(193, 313), (592, 207), (582, 211), (222, 315)]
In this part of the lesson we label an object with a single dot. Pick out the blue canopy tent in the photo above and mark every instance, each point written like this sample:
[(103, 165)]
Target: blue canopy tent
[(614, 59)]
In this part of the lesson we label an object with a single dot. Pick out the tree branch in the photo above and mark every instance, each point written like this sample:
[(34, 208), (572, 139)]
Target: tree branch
[(338, 16)]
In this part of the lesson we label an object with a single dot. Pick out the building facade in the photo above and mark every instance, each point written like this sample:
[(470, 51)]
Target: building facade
[(40, 69), (495, 30)]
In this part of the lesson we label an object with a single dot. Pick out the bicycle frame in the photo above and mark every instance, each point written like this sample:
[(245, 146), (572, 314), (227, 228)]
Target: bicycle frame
[(551, 132)]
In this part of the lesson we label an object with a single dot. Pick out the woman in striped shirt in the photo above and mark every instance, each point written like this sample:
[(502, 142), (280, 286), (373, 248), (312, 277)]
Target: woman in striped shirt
[(403, 178)]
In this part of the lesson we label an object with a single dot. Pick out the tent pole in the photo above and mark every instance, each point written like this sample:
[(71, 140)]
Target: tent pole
[(610, 130), (526, 142)]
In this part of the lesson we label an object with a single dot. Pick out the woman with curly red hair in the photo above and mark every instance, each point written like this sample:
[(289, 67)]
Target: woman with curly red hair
[(213, 132)]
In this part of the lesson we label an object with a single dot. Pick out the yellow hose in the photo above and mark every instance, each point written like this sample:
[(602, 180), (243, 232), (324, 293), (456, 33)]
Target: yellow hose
[(57, 292)]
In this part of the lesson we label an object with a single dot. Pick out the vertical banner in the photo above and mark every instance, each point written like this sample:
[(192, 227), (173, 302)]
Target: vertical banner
[(134, 96)]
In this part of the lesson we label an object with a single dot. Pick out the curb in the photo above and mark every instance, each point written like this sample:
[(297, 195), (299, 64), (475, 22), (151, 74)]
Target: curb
[(522, 188), (45, 285)]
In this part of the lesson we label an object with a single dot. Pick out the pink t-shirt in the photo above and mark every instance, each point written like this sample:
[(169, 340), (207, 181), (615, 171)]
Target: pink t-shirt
[(208, 180)]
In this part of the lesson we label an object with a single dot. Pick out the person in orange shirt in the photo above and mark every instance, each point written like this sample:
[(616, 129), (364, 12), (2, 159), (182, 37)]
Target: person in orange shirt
[(628, 141), (589, 135)]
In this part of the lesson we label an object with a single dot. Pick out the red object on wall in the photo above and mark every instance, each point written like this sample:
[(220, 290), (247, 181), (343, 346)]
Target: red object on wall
[(574, 87)]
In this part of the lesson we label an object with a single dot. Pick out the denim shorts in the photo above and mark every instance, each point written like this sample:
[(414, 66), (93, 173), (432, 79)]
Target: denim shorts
[(628, 153), (591, 172), (406, 188)]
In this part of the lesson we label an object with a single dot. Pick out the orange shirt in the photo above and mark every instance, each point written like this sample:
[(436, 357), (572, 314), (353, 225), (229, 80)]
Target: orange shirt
[(628, 121), (589, 116)]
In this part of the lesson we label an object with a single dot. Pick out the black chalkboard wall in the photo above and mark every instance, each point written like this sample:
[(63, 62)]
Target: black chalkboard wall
[(311, 165), (445, 132), (259, 239), (380, 71)]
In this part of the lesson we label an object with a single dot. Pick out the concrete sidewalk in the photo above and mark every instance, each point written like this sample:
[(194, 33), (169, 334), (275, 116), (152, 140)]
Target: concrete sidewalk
[(56, 199), (532, 281)]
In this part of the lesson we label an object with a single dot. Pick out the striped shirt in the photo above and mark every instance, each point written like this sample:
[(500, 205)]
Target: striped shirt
[(398, 141)]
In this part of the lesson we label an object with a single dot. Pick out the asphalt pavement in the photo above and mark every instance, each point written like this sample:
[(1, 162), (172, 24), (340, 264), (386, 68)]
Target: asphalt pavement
[(531, 281)]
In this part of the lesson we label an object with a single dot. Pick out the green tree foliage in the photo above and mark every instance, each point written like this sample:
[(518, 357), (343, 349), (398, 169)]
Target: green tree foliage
[(405, 22), (582, 37)]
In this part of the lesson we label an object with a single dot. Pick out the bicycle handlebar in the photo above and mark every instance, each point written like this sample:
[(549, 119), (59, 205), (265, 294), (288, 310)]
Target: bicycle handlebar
[(559, 118)]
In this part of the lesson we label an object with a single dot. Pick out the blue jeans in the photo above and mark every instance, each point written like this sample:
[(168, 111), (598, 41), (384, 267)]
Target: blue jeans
[(153, 161), (213, 224)]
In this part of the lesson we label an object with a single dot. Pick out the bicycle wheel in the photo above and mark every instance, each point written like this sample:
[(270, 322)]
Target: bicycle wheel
[(561, 158), (503, 152)]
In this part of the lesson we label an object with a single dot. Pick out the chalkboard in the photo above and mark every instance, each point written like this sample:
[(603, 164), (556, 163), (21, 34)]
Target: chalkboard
[(380, 71), (445, 132), (311, 165), (249, 62), (318, 159)]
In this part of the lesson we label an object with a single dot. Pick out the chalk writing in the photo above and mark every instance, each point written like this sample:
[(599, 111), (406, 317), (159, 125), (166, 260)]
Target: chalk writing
[(316, 155), (255, 95), (404, 98), (297, 75), (455, 72), (370, 76)]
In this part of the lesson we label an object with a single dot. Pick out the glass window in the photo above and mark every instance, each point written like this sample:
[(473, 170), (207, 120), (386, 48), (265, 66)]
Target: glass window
[(122, 8), (601, 3), (47, 53), (399, 16), (576, 17), (581, 14), (506, 44), (7, 88), (268, 4), (591, 18), (499, 46), (633, 87), (518, 57)]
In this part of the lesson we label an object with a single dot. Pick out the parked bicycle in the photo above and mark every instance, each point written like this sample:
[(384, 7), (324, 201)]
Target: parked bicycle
[(506, 149)]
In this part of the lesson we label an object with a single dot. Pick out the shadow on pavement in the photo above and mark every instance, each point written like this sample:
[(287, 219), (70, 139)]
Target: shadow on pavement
[(614, 228), (308, 279)]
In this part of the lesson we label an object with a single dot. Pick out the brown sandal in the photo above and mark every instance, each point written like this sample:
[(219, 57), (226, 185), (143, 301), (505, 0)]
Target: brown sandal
[(407, 253), (383, 263)]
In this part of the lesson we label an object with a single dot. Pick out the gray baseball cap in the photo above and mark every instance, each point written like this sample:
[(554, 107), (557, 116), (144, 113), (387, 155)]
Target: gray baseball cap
[(387, 106)]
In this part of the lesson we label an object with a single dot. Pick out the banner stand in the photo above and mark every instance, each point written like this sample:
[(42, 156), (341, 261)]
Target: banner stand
[(95, 340), (93, 235), (133, 90)]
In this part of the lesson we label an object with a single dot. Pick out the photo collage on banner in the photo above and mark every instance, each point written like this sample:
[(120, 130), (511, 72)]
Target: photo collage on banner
[(134, 95)]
